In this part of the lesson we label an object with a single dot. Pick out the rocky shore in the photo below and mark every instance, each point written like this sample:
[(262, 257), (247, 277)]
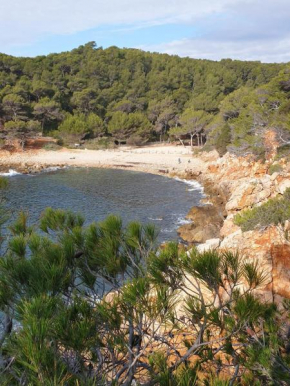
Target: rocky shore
[(233, 184)]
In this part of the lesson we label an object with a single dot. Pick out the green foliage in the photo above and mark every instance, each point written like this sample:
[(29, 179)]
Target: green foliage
[(3, 183), (14, 107), (223, 139), (275, 168), (104, 305), (21, 129), (52, 147), (78, 125), (99, 143), (250, 112), (47, 111), (283, 151), (185, 376), (59, 220), (138, 95), (74, 124), (273, 212), (124, 125), (192, 123)]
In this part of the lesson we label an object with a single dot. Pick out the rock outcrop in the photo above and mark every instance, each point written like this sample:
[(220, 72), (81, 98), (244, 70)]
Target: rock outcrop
[(206, 223), (237, 184)]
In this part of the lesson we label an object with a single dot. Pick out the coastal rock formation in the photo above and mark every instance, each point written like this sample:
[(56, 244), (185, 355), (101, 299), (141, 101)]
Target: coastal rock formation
[(209, 245), (206, 224), (248, 193), (242, 184), (281, 270)]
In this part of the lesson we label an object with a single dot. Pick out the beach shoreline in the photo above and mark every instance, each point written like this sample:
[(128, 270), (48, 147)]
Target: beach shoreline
[(167, 159)]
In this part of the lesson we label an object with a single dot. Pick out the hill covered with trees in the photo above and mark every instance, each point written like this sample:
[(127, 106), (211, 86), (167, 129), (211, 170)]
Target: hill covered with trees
[(134, 96)]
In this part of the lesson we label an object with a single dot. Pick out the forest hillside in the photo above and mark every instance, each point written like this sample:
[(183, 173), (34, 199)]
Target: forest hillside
[(131, 96)]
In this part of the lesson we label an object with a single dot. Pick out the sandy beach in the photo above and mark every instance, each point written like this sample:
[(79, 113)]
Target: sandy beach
[(166, 159)]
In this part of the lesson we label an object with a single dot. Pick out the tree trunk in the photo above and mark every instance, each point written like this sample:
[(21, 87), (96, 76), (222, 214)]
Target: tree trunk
[(181, 141), (42, 126), (191, 140)]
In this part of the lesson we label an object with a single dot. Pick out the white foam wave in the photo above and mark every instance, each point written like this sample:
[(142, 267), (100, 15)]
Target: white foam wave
[(10, 173), (167, 230), (53, 168), (194, 185), (183, 221), (155, 219)]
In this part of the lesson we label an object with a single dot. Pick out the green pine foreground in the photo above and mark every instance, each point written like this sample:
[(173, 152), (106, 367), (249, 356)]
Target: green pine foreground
[(105, 305)]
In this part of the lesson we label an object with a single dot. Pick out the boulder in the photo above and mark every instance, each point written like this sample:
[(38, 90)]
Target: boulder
[(197, 234), (228, 227), (283, 185), (249, 192), (207, 221), (209, 245)]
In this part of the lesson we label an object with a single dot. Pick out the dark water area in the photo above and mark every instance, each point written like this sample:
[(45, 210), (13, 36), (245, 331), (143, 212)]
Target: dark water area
[(96, 193)]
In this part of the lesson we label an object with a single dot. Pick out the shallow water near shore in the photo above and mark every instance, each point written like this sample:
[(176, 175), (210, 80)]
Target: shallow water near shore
[(96, 193)]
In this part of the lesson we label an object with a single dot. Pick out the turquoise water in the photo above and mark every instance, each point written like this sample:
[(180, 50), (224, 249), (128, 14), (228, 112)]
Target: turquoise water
[(97, 193)]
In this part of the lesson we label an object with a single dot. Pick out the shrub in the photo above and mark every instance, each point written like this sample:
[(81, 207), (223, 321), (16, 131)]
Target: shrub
[(52, 146), (136, 140), (273, 212), (223, 140), (283, 151), (99, 143), (275, 168)]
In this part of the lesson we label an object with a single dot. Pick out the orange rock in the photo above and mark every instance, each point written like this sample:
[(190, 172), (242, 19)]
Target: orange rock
[(281, 269), (213, 168), (228, 228)]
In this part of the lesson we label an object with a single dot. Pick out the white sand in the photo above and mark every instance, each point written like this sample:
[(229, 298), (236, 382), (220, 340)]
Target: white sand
[(152, 159)]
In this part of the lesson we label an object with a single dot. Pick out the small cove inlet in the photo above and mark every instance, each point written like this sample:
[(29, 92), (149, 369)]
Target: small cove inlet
[(96, 193)]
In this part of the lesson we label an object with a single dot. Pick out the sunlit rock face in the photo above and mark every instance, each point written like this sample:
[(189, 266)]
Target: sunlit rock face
[(244, 184), (281, 270)]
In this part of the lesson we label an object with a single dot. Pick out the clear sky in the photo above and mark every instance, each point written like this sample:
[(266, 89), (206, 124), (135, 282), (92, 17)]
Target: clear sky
[(211, 29)]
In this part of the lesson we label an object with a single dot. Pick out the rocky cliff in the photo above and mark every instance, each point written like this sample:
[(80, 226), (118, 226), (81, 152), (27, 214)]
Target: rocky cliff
[(233, 184)]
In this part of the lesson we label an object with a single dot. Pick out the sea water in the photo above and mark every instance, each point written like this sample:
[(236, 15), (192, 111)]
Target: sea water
[(96, 193)]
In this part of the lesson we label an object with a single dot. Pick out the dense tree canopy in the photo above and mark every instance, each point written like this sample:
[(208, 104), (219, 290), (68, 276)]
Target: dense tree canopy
[(247, 114), (192, 123), (129, 87)]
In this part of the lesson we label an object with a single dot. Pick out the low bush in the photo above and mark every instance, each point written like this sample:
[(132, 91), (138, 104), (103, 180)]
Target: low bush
[(273, 212), (275, 168), (283, 151), (136, 140), (52, 146), (99, 144)]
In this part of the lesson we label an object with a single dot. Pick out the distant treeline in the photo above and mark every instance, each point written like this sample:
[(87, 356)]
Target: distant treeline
[(135, 96)]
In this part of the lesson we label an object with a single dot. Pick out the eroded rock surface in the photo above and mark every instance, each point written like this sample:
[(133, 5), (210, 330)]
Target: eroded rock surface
[(237, 184), (206, 223)]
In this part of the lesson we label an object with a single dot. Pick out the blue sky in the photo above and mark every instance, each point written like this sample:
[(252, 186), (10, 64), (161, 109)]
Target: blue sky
[(211, 29), (106, 36)]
